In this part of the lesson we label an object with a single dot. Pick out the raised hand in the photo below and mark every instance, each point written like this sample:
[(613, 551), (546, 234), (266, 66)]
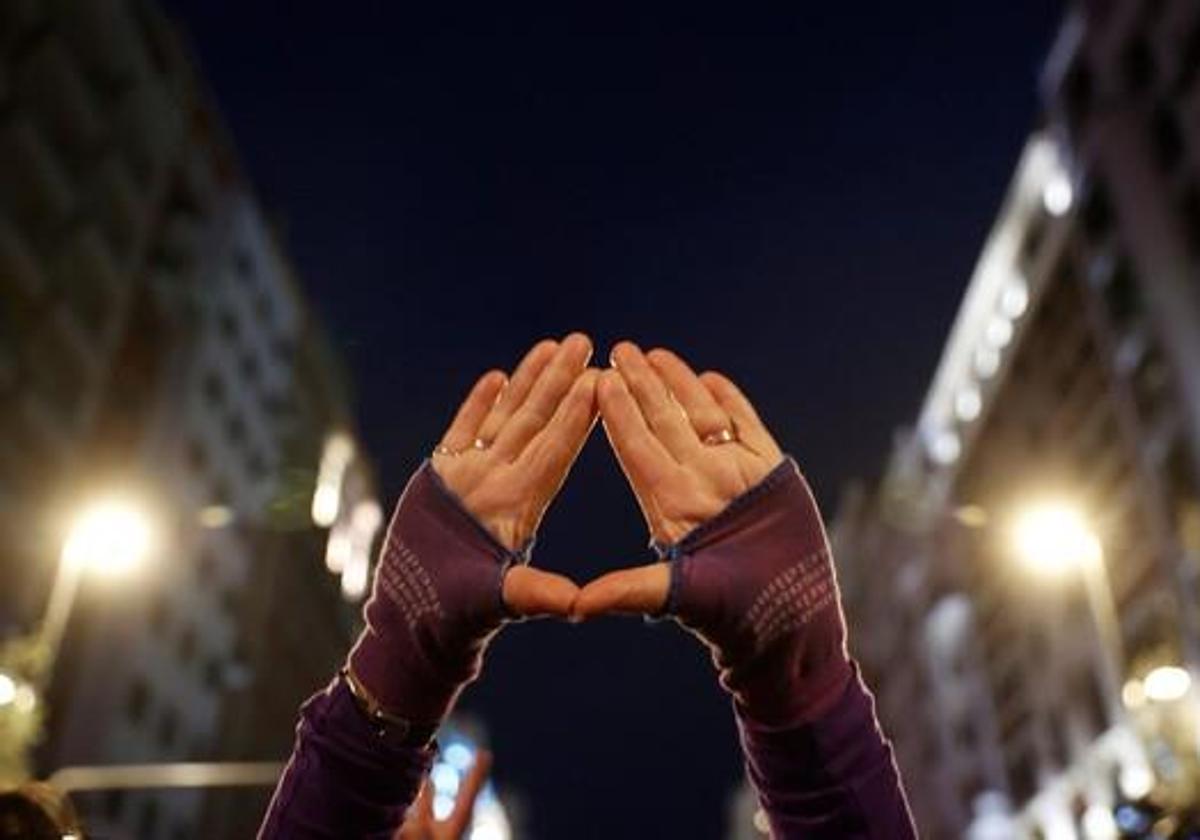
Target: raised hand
[(508, 451), (420, 822), (454, 566), (749, 569), (688, 444)]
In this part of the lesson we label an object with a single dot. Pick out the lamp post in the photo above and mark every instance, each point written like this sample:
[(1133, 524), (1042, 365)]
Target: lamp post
[(110, 536), (1054, 538)]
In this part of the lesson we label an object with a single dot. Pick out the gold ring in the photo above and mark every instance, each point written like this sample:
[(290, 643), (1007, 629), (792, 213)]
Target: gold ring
[(443, 449), (481, 444), (719, 437)]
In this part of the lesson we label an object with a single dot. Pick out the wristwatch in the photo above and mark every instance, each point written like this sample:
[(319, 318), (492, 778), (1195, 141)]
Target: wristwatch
[(392, 729)]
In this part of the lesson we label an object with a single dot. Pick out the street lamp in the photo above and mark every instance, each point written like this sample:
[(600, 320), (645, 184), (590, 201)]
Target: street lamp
[(111, 536), (1054, 537)]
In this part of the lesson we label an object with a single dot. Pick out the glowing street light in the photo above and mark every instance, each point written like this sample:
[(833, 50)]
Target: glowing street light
[(1054, 537), (112, 536), (8, 690), (1166, 684)]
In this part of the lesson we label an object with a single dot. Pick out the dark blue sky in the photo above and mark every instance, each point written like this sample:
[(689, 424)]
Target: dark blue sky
[(795, 200)]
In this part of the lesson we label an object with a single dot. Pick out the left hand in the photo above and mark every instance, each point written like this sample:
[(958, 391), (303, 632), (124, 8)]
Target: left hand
[(689, 445), (420, 823)]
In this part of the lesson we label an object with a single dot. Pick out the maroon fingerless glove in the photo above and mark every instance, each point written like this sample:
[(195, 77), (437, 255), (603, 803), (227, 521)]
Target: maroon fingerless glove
[(436, 601), (756, 584)]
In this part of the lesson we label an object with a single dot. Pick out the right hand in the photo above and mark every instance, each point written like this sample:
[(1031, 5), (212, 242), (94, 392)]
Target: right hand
[(508, 451), (662, 420), (420, 823)]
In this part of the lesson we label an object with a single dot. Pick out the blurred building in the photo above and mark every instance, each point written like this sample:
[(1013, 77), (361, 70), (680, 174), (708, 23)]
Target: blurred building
[(153, 336), (1072, 371)]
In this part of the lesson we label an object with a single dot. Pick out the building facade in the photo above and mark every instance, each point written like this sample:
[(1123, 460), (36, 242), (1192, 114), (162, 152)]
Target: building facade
[(1072, 372), (154, 337)]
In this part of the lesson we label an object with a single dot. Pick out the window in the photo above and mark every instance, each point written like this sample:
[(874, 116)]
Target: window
[(227, 324), (243, 266), (1077, 95), (148, 819), (168, 727), (213, 388), (1137, 64), (235, 427), (214, 675), (248, 365), (206, 566), (137, 700), (1189, 211), (1122, 295), (1097, 214), (187, 645), (1167, 136), (197, 456)]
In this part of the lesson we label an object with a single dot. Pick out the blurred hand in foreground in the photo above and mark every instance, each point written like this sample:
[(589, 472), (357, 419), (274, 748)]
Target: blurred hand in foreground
[(420, 822)]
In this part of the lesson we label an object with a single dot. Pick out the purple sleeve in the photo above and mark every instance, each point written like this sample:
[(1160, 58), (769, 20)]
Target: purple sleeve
[(757, 583), (342, 780), (833, 777), (435, 604)]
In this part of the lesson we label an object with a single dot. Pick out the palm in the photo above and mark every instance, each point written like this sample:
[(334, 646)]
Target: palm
[(509, 449), (689, 445)]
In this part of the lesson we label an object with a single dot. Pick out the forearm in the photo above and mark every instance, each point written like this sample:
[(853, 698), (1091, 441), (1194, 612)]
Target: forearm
[(358, 761), (832, 777), (343, 780), (814, 750)]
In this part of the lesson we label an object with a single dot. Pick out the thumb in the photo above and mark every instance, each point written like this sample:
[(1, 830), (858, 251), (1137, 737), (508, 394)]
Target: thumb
[(532, 592), (642, 589)]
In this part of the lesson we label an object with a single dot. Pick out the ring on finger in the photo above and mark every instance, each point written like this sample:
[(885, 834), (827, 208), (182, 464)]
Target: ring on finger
[(719, 437)]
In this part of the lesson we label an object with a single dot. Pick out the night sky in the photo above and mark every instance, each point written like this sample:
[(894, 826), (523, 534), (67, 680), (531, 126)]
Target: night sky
[(797, 201)]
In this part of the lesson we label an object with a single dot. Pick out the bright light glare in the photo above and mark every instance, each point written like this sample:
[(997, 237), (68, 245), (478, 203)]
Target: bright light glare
[(1166, 684), (490, 823), (1015, 298), (445, 779), (337, 550), (1054, 537), (945, 447), (1098, 823), (111, 537), (1136, 780), (1133, 695), (999, 332), (987, 362), (25, 699), (215, 516), (355, 574), (442, 806), (326, 502), (968, 404), (8, 690), (1058, 195), (327, 498), (459, 756)]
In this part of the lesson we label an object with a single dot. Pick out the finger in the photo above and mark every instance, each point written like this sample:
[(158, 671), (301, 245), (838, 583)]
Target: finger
[(663, 414), (468, 792), (750, 429), (706, 415), (518, 388), (474, 410), (530, 592), (552, 385), (642, 590), (553, 450), (644, 459)]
